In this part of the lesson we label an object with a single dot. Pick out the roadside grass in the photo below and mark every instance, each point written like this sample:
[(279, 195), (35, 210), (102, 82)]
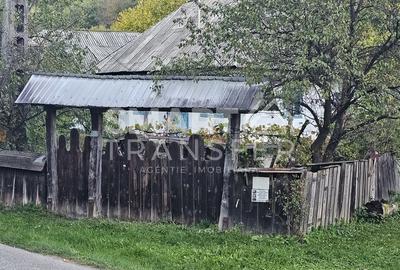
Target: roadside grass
[(123, 245)]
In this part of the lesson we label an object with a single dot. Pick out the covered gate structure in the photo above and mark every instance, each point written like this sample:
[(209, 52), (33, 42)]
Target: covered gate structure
[(229, 95)]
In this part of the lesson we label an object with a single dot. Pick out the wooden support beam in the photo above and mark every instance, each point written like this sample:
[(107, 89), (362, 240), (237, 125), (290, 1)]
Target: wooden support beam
[(95, 164), (51, 142), (231, 164)]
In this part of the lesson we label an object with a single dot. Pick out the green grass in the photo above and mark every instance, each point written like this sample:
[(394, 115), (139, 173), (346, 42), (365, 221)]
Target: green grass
[(121, 245)]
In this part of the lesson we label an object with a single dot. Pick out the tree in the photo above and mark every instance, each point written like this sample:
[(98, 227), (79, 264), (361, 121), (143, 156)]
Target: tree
[(341, 56), (381, 137), (108, 10), (145, 14), (85, 14), (62, 15), (50, 51)]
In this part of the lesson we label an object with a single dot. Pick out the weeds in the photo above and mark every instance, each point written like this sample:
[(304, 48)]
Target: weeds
[(128, 245)]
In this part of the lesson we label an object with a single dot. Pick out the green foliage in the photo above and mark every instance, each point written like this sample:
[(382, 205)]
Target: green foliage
[(51, 53), (382, 137), (280, 142), (290, 196), (61, 15), (145, 14), (67, 119), (362, 215), (340, 56), (83, 14), (107, 11), (123, 245), (395, 198), (12, 117), (48, 21), (389, 208)]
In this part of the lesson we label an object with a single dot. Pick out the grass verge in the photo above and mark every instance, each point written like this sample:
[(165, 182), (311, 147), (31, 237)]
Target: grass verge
[(122, 245)]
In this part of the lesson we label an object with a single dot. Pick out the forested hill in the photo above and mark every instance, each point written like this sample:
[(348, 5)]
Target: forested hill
[(87, 14), (104, 15)]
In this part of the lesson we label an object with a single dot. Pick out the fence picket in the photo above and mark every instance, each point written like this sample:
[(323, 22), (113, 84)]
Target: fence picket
[(188, 190)]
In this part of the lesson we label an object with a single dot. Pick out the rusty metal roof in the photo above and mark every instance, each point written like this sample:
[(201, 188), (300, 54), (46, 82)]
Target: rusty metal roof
[(22, 161), (142, 92)]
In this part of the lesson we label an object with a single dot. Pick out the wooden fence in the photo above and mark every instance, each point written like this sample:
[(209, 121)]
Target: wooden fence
[(263, 217), (22, 178), (183, 184), (334, 193), (145, 187), (22, 187)]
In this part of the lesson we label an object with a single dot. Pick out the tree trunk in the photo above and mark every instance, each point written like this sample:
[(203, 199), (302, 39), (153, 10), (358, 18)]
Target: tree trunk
[(335, 139), (318, 145), (18, 138), (324, 130)]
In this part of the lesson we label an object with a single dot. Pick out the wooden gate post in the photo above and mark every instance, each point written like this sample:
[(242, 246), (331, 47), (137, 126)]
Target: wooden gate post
[(231, 164), (95, 164), (51, 142)]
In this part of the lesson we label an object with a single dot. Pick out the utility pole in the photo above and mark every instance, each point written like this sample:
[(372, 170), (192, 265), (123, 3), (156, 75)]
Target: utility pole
[(14, 38), (14, 43)]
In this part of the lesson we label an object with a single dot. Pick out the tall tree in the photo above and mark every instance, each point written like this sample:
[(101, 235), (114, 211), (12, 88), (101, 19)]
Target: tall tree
[(145, 14), (49, 51), (341, 56), (107, 10)]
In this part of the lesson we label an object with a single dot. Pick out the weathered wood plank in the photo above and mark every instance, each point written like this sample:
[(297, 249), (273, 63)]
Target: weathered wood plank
[(353, 194), (321, 187), (335, 202), (312, 201), (63, 167), (106, 183), (95, 161), (231, 163), (316, 200), (307, 196), (325, 200), (341, 187), (51, 142), (194, 156), (175, 178)]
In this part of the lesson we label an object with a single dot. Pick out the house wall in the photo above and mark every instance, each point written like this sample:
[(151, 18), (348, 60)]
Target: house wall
[(198, 121)]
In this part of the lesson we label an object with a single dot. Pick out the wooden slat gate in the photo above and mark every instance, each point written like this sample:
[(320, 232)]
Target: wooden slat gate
[(171, 181)]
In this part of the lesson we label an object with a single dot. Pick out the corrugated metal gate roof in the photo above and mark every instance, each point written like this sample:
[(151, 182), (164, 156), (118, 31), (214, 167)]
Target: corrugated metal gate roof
[(187, 94)]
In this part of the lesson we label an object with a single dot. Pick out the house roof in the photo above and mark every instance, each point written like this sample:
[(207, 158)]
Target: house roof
[(219, 94), (101, 44), (22, 161), (97, 44), (159, 43)]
